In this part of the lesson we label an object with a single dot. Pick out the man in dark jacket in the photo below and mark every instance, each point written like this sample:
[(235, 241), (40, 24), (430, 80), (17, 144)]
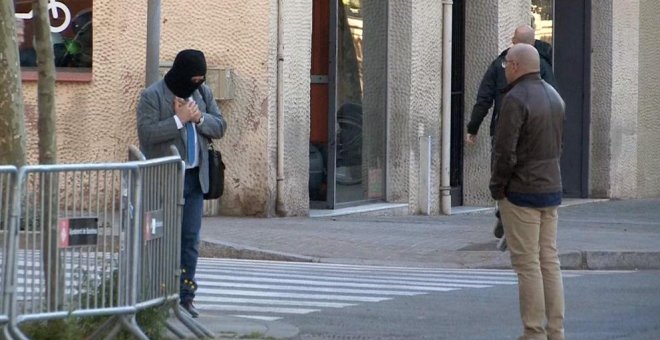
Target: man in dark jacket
[(494, 81), (526, 182), (490, 90)]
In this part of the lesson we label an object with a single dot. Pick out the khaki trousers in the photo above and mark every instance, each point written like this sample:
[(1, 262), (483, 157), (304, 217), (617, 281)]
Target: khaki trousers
[(531, 235)]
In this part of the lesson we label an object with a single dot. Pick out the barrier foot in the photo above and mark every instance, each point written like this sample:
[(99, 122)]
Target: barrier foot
[(10, 334), (105, 328), (176, 331), (131, 325), (5, 333), (194, 326), (114, 331), (13, 332)]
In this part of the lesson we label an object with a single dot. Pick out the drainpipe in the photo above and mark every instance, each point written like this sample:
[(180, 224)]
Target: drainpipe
[(279, 205), (445, 188), (153, 42)]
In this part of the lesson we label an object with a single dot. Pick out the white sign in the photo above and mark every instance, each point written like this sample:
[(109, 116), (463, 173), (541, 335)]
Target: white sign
[(55, 7)]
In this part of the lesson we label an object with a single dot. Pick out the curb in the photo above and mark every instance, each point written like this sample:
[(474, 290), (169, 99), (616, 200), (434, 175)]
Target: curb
[(236, 251), (229, 327), (572, 260), (610, 260)]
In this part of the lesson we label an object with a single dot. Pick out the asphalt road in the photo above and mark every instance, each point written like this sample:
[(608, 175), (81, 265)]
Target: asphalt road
[(598, 306), (326, 301)]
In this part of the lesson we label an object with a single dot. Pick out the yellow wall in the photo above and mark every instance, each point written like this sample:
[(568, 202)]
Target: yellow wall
[(96, 120)]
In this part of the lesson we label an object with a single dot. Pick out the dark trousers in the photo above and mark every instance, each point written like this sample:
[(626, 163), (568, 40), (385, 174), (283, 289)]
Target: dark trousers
[(190, 227)]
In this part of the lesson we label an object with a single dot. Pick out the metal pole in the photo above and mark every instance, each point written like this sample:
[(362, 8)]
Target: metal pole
[(446, 105), (153, 42), (279, 204)]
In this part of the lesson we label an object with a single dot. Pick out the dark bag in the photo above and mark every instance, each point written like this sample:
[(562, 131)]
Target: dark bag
[(216, 174)]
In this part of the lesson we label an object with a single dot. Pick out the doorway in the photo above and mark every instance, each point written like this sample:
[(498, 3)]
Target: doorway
[(566, 25), (348, 102), (457, 104), (572, 66)]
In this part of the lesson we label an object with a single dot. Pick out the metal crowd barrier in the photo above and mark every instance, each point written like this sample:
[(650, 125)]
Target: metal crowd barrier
[(95, 239), (72, 243), (8, 176), (158, 280)]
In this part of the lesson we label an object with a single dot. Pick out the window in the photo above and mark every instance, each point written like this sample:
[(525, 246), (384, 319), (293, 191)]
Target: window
[(71, 33), (542, 19)]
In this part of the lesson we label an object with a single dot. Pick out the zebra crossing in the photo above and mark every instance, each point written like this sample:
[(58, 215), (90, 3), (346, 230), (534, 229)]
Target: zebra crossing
[(269, 290)]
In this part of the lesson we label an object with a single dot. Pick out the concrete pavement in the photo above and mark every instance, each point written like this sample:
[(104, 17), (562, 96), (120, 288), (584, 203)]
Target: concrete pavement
[(593, 234), (228, 327)]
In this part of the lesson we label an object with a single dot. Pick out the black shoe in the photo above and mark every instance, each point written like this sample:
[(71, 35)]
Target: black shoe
[(188, 307), (498, 231), (501, 244)]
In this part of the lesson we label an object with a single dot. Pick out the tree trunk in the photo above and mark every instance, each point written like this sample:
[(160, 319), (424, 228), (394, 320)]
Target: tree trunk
[(46, 85), (47, 151), (12, 122)]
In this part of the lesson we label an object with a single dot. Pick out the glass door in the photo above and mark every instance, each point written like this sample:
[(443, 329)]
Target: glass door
[(543, 19), (360, 101), (348, 102)]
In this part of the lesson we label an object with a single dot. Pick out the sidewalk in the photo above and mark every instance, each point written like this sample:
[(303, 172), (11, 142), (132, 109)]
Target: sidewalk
[(228, 327), (597, 235)]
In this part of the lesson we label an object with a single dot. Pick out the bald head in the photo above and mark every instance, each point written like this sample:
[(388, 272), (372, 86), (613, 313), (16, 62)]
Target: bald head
[(526, 56), (523, 35), (521, 59)]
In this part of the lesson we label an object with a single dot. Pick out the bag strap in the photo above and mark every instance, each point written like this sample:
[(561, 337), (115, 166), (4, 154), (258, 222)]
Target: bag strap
[(201, 94)]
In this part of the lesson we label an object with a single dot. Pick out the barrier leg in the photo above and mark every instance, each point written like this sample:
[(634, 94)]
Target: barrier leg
[(194, 326), (113, 332), (105, 328), (15, 333), (176, 331), (7, 334), (131, 325)]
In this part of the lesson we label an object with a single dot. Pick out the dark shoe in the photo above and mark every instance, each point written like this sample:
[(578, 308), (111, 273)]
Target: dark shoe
[(188, 307), (501, 244), (498, 231)]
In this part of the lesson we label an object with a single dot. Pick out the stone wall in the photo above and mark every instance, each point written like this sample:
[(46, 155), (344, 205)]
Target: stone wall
[(625, 93), (649, 100), (485, 21), (414, 98), (601, 101), (96, 120)]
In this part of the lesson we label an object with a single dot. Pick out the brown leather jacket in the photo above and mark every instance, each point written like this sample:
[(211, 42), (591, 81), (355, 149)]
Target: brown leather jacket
[(528, 139)]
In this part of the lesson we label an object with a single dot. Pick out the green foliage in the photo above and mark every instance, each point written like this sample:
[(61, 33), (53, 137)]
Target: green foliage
[(53, 330), (151, 320)]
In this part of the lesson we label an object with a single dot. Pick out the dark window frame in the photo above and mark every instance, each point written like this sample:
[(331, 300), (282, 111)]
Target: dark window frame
[(77, 36)]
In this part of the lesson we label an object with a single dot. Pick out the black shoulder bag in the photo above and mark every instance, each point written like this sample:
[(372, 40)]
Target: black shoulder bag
[(216, 169), (216, 173)]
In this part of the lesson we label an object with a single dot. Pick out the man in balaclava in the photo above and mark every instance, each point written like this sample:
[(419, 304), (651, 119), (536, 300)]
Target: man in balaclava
[(180, 110)]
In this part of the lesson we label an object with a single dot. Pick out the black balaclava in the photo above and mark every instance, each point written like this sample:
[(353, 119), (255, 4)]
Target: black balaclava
[(187, 64)]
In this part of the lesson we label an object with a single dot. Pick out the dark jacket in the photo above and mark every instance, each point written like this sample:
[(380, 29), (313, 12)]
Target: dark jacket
[(528, 139), (494, 81)]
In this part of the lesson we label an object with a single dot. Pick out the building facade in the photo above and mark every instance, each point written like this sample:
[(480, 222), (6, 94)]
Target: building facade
[(354, 114)]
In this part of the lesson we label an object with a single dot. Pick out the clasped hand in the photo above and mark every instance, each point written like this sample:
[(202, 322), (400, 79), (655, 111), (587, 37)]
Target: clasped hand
[(187, 111)]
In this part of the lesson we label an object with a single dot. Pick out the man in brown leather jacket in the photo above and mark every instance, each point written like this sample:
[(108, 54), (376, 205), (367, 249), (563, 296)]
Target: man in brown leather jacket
[(526, 182)]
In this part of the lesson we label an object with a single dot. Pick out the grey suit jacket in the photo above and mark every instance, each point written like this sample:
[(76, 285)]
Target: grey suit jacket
[(157, 128)]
